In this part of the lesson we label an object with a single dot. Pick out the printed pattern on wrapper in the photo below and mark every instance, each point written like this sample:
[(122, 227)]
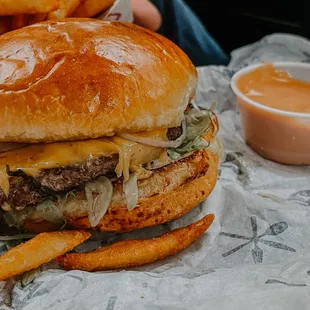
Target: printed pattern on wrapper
[(120, 11)]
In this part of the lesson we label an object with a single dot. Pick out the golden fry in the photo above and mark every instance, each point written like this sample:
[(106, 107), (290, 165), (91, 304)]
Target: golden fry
[(15, 7), (5, 24), (90, 8), (39, 250), (67, 7), (137, 252), (19, 21)]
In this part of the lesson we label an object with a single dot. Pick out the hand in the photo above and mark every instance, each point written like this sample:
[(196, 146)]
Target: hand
[(146, 14)]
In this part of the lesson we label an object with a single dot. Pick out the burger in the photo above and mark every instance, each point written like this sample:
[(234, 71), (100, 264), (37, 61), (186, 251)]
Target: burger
[(98, 129)]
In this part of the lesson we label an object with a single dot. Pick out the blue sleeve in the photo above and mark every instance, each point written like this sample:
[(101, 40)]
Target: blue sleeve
[(183, 27)]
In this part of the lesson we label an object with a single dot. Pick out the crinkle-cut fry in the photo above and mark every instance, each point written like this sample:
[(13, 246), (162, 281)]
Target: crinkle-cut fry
[(67, 7), (14, 7), (90, 8), (131, 253), (39, 250)]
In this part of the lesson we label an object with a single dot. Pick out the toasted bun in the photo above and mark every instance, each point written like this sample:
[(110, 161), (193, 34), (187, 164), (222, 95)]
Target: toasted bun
[(156, 209), (83, 78)]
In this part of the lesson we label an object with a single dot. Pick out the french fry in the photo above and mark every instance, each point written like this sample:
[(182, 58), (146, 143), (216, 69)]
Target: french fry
[(39, 250), (5, 24), (19, 21), (90, 8), (67, 7), (37, 18), (136, 252), (15, 7)]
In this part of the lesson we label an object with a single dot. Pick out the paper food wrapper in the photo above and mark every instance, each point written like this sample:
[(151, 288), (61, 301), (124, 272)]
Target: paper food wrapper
[(255, 255), (120, 11)]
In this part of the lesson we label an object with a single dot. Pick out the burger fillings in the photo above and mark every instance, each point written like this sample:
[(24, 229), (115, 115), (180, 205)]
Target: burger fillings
[(104, 109)]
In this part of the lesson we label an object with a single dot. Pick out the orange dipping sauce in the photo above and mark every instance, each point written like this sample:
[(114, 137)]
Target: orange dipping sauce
[(281, 135), (276, 89)]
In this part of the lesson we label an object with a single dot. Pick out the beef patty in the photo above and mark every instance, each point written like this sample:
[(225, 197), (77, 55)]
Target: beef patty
[(174, 133), (26, 190)]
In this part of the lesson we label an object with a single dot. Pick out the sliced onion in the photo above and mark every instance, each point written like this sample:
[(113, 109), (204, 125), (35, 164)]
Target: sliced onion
[(195, 106), (213, 106), (99, 196), (155, 142), (193, 115), (131, 191), (216, 146), (213, 120)]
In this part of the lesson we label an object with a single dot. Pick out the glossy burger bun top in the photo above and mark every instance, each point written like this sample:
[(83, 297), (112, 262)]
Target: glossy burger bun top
[(83, 78)]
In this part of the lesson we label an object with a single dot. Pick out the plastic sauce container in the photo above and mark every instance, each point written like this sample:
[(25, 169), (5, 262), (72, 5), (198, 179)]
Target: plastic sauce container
[(276, 124)]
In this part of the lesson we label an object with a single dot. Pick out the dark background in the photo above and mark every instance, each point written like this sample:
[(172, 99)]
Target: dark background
[(237, 22)]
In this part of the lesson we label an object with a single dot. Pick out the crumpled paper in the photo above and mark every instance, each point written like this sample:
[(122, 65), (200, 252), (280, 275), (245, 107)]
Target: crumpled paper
[(120, 11), (255, 254)]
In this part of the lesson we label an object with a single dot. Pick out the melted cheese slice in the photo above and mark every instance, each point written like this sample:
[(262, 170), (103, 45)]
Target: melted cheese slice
[(34, 158), (133, 154)]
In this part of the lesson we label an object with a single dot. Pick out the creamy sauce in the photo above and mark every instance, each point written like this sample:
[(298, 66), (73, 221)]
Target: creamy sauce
[(281, 138), (276, 89)]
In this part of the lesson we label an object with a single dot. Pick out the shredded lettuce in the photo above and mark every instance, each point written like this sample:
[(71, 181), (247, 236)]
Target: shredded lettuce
[(197, 144), (46, 210), (198, 123), (15, 219), (49, 212)]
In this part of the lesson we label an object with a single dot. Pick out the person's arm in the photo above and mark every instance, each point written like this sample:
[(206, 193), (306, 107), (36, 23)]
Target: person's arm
[(146, 14)]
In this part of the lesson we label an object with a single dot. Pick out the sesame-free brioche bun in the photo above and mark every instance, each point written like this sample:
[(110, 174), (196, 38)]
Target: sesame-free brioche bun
[(77, 79), (168, 194)]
